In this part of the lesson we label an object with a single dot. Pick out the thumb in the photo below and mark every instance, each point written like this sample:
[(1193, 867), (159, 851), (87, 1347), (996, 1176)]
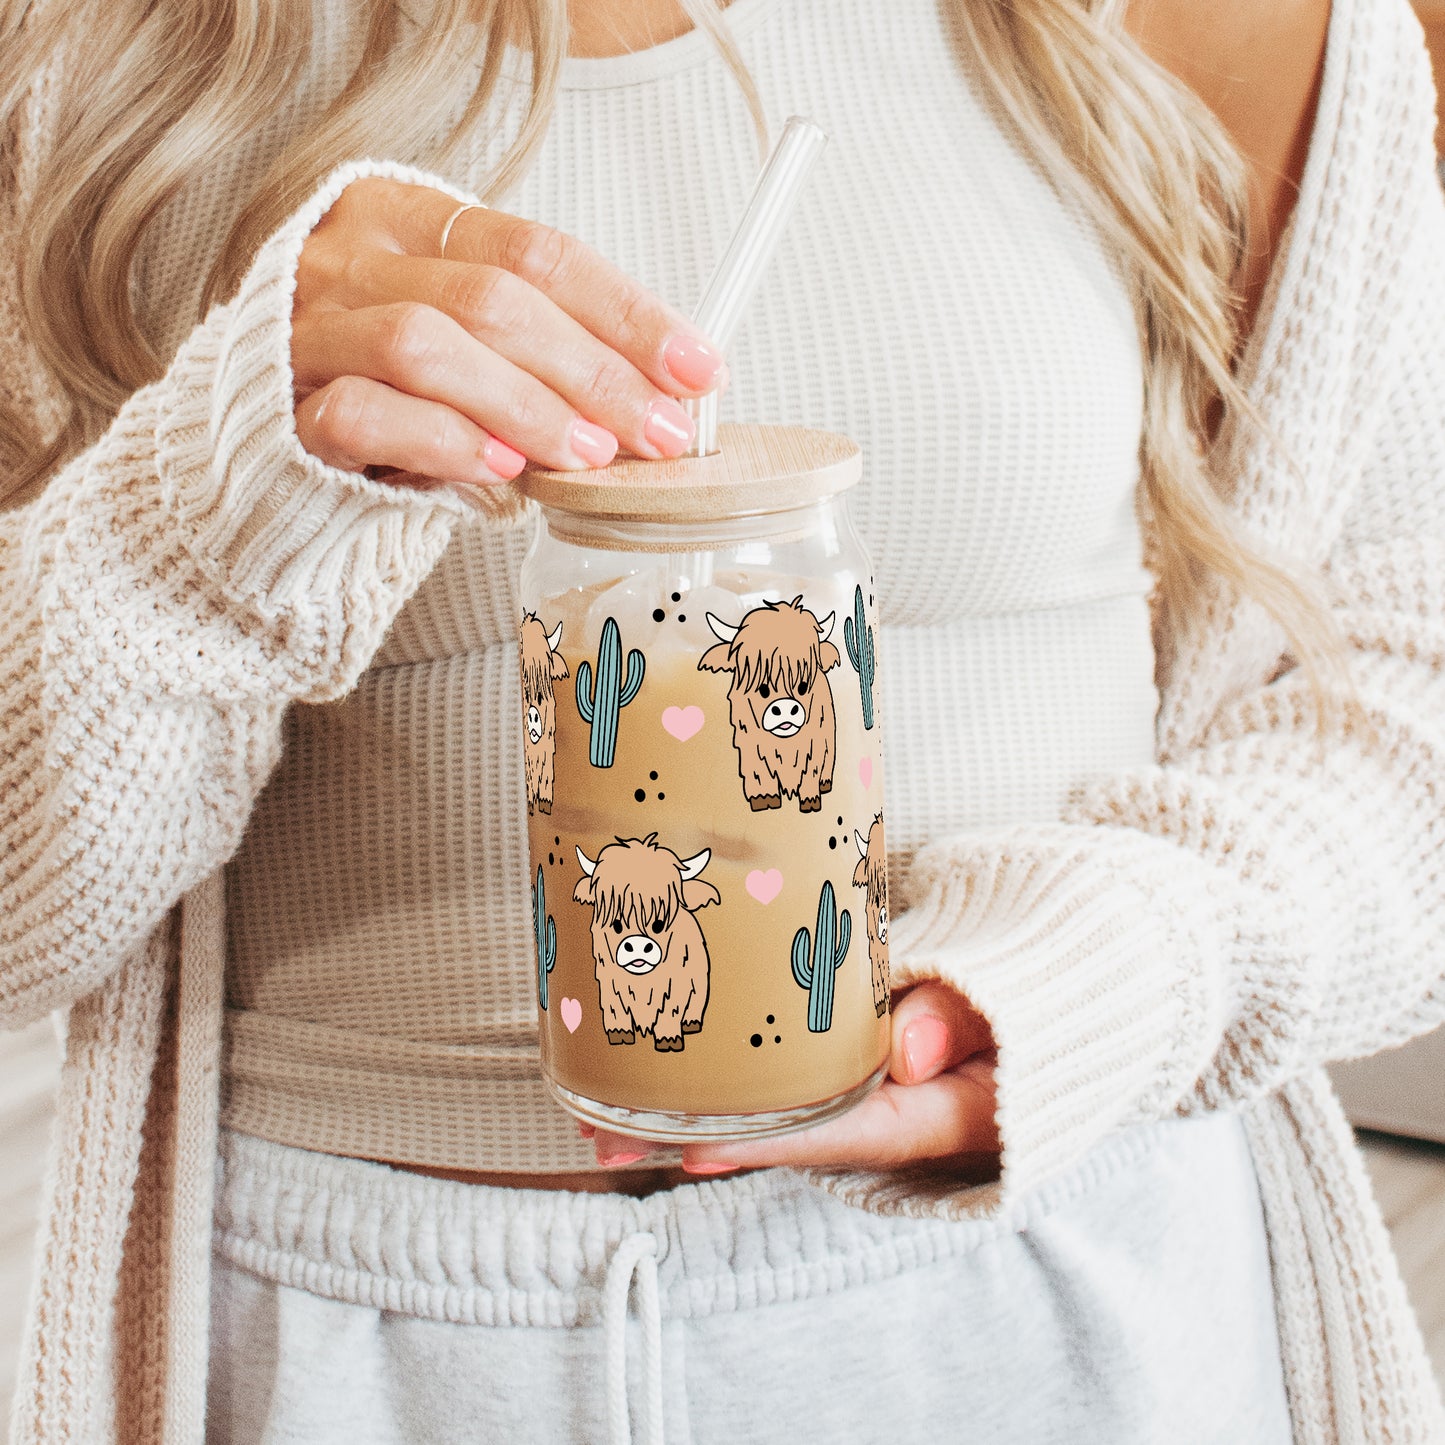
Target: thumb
[(935, 1028)]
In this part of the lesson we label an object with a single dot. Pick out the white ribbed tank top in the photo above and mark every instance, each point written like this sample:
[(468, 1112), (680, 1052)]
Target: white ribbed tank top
[(934, 299)]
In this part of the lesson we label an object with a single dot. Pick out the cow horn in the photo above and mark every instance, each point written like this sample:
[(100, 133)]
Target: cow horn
[(723, 631), (862, 843), (588, 866), (691, 867), (554, 639), (825, 627)]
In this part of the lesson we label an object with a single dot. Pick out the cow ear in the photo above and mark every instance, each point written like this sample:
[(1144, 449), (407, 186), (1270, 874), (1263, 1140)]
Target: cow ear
[(582, 893), (697, 894), (715, 659), (559, 664), (828, 657)]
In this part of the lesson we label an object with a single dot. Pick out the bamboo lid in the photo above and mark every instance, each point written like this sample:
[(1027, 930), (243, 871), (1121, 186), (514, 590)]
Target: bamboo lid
[(757, 469)]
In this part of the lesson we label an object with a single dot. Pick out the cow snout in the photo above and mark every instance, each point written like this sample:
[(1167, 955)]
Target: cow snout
[(534, 723), (638, 953), (784, 716)]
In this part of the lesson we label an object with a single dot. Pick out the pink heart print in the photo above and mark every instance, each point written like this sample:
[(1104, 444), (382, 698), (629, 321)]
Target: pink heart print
[(764, 886), (865, 771), (683, 722), (571, 1013)]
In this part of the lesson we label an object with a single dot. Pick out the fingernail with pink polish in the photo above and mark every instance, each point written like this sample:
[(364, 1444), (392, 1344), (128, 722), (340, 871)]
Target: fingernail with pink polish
[(693, 361), (501, 460), (702, 1167), (668, 427), (925, 1041), (615, 1161), (595, 445)]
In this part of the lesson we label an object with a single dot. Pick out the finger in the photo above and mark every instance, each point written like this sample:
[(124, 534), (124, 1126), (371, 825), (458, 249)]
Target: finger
[(616, 309), (414, 348), (895, 1125), (935, 1028), (520, 323), (355, 422), (616, 1150)]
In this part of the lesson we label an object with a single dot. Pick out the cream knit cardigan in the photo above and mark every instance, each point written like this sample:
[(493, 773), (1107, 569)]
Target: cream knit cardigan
[(1202, 934)]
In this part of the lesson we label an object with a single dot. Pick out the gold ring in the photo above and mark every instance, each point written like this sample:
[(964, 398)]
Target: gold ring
[(452, 220)]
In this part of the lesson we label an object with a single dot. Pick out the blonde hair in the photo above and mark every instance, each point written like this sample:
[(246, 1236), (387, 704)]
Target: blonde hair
[(160, 90)]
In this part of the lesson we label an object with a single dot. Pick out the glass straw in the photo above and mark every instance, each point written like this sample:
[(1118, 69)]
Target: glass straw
[(741, 268)]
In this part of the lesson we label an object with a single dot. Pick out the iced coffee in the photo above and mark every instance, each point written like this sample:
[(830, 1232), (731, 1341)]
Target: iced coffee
[(702, 741)]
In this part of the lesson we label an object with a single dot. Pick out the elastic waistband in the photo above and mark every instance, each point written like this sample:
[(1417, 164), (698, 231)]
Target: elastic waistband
[(369, 1234)]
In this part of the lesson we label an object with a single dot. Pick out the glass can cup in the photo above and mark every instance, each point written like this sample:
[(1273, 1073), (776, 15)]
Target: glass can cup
[(705, 789)]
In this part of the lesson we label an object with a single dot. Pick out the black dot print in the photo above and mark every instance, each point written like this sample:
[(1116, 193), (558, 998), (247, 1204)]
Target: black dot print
[(557, 842), (551, 858), (653, 775), (658, 614), (641, 795), (682, 616), (661, 796), (833, 843), (677, 596), (756, 1040), (840, 822)]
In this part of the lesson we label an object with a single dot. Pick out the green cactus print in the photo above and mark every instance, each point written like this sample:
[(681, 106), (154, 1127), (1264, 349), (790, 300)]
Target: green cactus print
[(817, 959), (615, 689), (544, 929), (858, 639)]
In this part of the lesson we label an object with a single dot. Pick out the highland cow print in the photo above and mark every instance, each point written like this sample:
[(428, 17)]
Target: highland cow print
[(542, 665), (649, 952), (781, 706), (872, 874)]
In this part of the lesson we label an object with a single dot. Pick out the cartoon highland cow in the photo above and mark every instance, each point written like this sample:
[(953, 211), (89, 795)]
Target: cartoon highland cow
[(542, 665), (872, 874), (784, 725), (649, 952)]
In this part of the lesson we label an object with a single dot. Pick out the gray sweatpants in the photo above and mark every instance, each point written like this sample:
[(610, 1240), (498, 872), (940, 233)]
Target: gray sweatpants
[(1126, 1303)]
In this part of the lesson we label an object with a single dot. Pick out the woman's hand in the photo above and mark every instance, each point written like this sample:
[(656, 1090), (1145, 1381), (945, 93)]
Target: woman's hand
[(522, 344), (938, 1102)]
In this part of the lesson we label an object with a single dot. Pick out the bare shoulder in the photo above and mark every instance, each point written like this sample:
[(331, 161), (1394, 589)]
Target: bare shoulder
[(1257, 65)]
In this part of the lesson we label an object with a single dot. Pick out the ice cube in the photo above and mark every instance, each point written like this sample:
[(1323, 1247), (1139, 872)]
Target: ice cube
[(631, 603)]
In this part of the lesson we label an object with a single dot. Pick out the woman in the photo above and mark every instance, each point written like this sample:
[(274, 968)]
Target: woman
[(1012, 283)]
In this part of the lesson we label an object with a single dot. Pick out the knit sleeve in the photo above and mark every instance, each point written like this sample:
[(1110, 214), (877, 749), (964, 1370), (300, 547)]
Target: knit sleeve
[(1206, 930), (1270, 895), (162, 601)]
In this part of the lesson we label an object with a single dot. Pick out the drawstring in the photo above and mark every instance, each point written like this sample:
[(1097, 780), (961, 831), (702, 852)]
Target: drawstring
[(636, 1254)]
